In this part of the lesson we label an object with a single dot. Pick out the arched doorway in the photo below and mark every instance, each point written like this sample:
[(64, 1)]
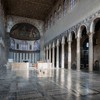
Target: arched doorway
[(73, 47), (84, 49), (96, 45)]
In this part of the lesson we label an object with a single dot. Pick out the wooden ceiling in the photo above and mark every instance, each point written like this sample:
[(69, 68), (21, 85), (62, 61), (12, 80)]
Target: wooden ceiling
[(37, 9)]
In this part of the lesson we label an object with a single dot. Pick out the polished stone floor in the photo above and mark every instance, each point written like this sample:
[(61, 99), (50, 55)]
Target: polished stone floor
[(61, 85)]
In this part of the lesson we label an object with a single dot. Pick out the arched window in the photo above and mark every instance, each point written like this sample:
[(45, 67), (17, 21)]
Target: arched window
[(72, 3), (17, 46), (30, 47)]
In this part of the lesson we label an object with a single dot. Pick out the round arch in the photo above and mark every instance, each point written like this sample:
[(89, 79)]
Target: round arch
[(24, 31), (93, 23), (13, 20), (73, 33), (79, 34)]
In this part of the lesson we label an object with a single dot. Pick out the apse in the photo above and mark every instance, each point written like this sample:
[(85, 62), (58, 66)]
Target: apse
[(24, 31), (24, 43)]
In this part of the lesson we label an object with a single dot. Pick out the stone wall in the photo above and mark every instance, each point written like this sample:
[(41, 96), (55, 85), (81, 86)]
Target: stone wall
[(3, 37)]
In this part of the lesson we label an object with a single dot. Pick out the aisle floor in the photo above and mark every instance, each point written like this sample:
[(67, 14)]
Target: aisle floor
[(61, 85)]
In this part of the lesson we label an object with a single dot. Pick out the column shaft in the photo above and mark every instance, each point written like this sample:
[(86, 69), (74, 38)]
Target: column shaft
[(50, 54), (91, 52), (57, 62), (53, 57), (47, 54), (78, 53), (69, 55), (63, 55)]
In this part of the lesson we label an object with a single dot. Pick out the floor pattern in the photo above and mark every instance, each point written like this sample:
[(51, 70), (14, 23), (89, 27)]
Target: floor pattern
[(62, 85)]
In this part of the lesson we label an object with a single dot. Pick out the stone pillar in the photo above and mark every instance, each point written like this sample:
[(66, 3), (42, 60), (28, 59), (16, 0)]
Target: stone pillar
[(14, 57), (33, 58), (50, 53), (53, 55), (23, 56), (30, 57), (91, 52), (28, 46), (57, 58), (17, 57), (69, 55), (20, 56), (63, 53), (47, 53), (44, 53), (26, 56), (15, 46), (78, 54)]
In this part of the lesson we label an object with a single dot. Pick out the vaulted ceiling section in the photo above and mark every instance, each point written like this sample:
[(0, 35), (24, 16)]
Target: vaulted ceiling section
[(36, 9)]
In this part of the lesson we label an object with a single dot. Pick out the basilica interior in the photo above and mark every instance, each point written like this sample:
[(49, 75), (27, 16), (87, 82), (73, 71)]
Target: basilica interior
[(49, 49)]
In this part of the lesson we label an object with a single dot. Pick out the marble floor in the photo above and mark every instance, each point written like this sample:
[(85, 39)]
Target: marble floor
[(61, 85)]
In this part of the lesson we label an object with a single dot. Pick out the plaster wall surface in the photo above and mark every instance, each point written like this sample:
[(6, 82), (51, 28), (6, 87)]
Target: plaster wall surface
[(82, 10)]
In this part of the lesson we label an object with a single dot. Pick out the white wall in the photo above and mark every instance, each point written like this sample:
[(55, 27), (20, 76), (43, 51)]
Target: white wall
[(82, 10)]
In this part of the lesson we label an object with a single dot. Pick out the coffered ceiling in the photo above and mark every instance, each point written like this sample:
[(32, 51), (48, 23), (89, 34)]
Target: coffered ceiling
[(38, 9)]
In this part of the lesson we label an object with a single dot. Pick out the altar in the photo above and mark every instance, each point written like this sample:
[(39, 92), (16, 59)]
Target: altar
[(21, 69), (44, 65), (44, 69)]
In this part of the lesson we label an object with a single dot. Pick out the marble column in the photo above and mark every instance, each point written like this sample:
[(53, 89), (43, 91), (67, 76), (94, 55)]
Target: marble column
[(33, 58), (50, 53), (53, 55), (26, 56), (63, 53), (23, 56), (44, 53), (20, 57), (78, 54), (14, 57), (57, 58), (90, 52), (30, 58), (69, 55), (47, 53), (17, 57)]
